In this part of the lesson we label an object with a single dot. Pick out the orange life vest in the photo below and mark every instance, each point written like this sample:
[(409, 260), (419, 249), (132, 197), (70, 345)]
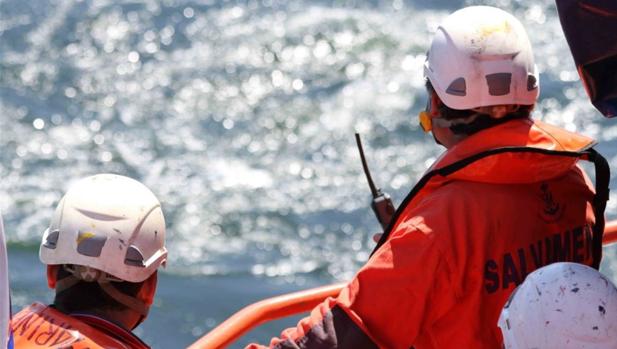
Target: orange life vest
[(39, 326)]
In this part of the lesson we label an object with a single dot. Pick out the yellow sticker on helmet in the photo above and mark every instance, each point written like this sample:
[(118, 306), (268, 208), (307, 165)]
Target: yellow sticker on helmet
[(82, 236), (496, 27)]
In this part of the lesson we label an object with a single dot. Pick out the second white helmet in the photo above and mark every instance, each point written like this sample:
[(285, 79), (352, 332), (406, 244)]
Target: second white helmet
[(561, 306), (110, 223), (481, 56)]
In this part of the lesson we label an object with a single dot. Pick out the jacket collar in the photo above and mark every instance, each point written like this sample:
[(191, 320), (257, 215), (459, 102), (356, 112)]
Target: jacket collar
[(511, 166), (112, 330)]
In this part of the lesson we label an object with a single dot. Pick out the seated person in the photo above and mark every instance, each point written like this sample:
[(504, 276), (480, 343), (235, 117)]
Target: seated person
[(102, 249), (507, 197)]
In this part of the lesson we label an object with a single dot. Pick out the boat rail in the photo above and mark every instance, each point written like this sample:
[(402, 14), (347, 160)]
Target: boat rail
[(293, 303)]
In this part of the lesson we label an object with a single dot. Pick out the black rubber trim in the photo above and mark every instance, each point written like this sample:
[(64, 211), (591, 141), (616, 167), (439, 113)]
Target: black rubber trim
[(587, 153)]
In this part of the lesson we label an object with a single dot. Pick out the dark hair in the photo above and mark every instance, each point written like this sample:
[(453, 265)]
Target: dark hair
[(483, 121), (88, 296)]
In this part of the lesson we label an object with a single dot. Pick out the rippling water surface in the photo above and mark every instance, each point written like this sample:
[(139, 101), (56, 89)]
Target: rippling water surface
[(240, 116)]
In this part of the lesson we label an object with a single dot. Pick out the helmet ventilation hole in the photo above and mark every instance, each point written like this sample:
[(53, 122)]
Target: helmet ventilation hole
[(499, 83), (134, 257), (532, 82), (51, 240), (89, 244), (458, 87)]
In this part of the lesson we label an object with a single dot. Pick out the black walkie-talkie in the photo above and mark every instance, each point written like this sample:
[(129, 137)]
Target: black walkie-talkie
[(381, 203)]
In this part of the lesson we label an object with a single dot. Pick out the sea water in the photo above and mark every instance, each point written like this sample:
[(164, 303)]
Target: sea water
[(240, 116)]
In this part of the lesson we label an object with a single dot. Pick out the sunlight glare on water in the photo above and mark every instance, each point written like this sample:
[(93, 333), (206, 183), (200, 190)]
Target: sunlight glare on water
[(240, 118)]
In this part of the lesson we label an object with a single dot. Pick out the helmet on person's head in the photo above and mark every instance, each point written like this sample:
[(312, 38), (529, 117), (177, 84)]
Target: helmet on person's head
[(561, 306), (107, 223), (479, 57)]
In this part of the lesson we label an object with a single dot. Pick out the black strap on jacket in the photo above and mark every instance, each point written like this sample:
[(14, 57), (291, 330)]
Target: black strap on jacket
[(603, 175)]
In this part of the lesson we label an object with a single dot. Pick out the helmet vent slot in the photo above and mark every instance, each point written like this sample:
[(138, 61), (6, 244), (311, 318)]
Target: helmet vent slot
[(458, 87), (51, 239), (499, 83), (90, 244), (134, 257), (532, 83)]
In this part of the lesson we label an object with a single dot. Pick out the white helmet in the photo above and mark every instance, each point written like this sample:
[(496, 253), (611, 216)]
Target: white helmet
[(110, 223), (481, 56), (561, 306)]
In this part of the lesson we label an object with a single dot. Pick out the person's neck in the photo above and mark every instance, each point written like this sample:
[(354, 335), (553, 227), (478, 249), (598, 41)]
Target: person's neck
[(126, 318)]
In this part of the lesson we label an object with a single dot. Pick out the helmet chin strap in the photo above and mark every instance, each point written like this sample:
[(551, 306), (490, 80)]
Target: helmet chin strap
[(495, 112), (441, 122), (131, 302), (498, 111), (81, 273)]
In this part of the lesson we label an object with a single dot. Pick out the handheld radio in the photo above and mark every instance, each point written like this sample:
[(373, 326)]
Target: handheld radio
[(381, 202)]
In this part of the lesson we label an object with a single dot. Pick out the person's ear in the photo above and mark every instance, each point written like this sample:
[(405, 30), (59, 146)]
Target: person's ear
[(148, 290), (52, 275), (435, 103)]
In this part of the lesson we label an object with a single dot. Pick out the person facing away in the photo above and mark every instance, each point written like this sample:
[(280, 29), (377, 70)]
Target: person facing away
[(505, 198), (102, 249), (561, 306)]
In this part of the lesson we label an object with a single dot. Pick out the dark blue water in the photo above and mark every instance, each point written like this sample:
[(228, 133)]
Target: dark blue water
[(240, 116)]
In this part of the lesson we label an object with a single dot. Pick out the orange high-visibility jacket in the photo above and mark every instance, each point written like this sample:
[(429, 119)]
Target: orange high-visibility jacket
[(39, 326), (500, 204)]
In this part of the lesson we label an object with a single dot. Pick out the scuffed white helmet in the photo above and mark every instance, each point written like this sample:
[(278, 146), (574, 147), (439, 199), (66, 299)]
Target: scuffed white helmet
[(110, 223), (481, 56), (561, 306)]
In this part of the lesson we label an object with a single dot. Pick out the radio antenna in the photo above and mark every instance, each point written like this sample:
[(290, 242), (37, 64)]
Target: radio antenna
[(374, 190), (381, 202)]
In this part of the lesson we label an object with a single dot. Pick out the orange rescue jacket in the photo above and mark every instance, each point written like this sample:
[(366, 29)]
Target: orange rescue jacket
[(500, 204), (39, 326)]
